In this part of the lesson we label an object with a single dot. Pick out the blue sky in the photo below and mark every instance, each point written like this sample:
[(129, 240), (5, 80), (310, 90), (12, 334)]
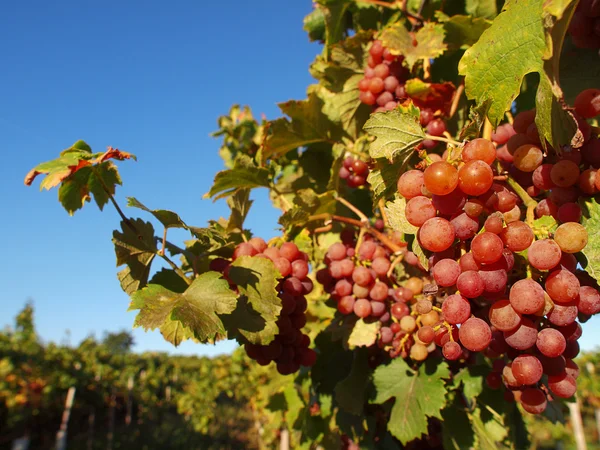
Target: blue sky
[(150, 78), (147, 77)]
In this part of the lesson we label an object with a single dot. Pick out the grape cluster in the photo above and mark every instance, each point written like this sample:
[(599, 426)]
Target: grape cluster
[(383, 87), (290, 348), (354, 171), (585, 24)]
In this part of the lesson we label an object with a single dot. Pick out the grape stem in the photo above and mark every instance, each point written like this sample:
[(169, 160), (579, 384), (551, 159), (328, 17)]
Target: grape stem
[(487, 129), (443, 139), (114, 202), (384, 216), (385, 240), (164, 242), (529, 203), (456, 99), (284, 201), (393, 265), (354, 209)]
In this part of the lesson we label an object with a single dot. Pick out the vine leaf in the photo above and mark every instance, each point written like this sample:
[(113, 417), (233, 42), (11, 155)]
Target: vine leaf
[(259, 305), (472, 379), (137, 249), (169, 219), (419, 394), (244, 175), (436, 96), (481, 8), (429, 42), (579, 70), (457, 431), (397, 133), (591, 221), (363, 334), (544, 226), (196, 309), (463, 31), (383, 177), (418, 251), (396, 215), (80, 174), (308, 125), (350, 392), (519, 34)]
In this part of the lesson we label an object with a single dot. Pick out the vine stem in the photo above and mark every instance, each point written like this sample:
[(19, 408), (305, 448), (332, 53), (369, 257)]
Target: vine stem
[(393, 265), (164, 241), (457, 94), (114, 202), (443, 139), (487, 129), (529, 203), (175, 267), (354, 209), (396, 248), (384, 215), (285, 202)]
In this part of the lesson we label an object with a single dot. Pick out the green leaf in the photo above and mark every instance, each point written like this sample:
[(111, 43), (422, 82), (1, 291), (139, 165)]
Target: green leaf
[(239, 204), (420, 253), (308, 125), (197, 308), (472, 379), (397, 134), (489, 429), (397, 218), (579, 69), (334, 19), (591, 221), (464, 31), (82, 145), (76, 189), (135, 246), (350, 392), (169, 219), (256, 280), (429, 38), (544, 226), (419, 395), (364, 334), (383, 178), (169, 279), (174, 332), (345, 107), (477, 115), (486, 9), (314, 24), (457, 431), (520, 33), (244, 175), (307, 202)]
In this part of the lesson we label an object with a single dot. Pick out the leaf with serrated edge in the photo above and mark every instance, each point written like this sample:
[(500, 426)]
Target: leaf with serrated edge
[(591, 221), (397, 217), (397, 134), (197, 308), (228, 182), (169, 219), (430, 42), (364, 334), (519, 34), (418, 395)]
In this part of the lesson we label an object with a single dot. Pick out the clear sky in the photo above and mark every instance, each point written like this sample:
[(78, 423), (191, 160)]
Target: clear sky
[(148, 77)]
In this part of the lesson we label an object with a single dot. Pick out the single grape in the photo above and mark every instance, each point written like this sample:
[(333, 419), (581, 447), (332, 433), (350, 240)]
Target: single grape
[(486, 248), (426, 334), (564, 173), (379, 292), (563, 385), (446, 272), (569, 212), (465, 227), (436, 127), (503, 133), (494, 223), (517, 236), (589, 300), (451, 350), (479, 149), (451, 203), (533, 400), (528, 157), (378, 308), (494, 279), (587, 103), (546, 207), (563, 315), (418, 352), (523, 337), (527, 369), (544, 254), (475, 177), (562, 286), (503, 316), (440, 178), (418, 210), (470, 284), (572, 368), (475, 334), (571, 237), (408, 324), (436, 234), (551, 342), (456, 309), (362, 308), (526, 296), (587, 182), (523, 120), (410, 183), (399, 310)]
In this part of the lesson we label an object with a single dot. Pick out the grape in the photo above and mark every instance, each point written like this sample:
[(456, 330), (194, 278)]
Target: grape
[(450, 203), (569, 212), (423, 306), (533, 401), (456, 309), (517, 236), (446, 272), (293, 286), (378, 308), (343, 287), (486, 248), (475, 177), (587, 103), (503, 316), (591, 153), (546, 207), (289, 251), (440, 178), (479, 149), (506, 201), (430, 319), (426, 334), (508, 376), (494, 279), (563, 385), (473, 207), (436, 127), (465, 227), (551, 342), (564, 173), (571, 332), (467, 262), (475, 334), (381, 266), (523, 337), (360, 167), (572, 350), (572, 368), (418, 352), (415, 285), (362, 308), (387, 335), (360, 291), (528, 157), (494, 224), (587, 182), (562, 315), (562, 286), (284, 266), (571, 237), (367, 97), (527, 369), (533, 133), (544, 254), (366, 251), (541, 177), (362, 276), (470, 284), (410, 183), (493, 380), (418, 210), (381, 70), (399, 310), (379, 291), (244, 249), (523, 120), (436, 234), (346, 267), (346, 304), (560, 196), (408, 324), (516, 141), (526, 296), (384, 98), (589, 300), (376, 85), (451, 350)]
